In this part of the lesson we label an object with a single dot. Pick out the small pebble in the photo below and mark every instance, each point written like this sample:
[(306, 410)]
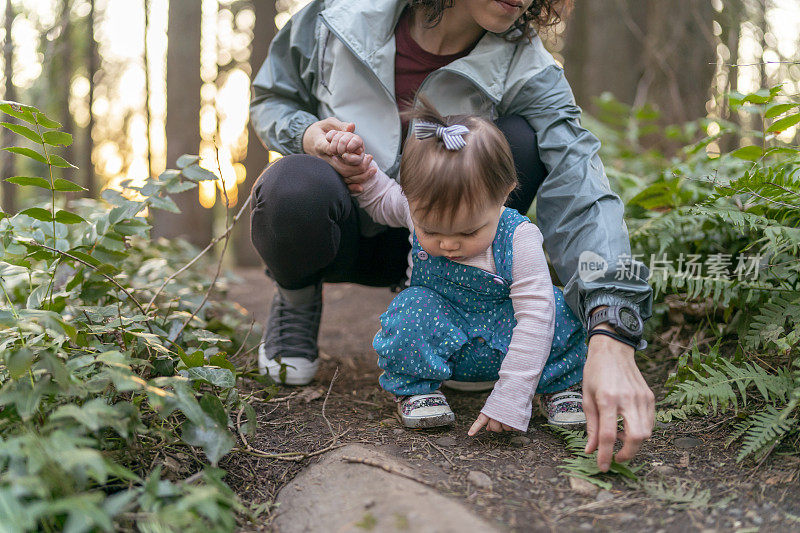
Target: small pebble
[(583, 487), (446, 441), (604, 496), (545, 472), (397, 431), (684, 443), (586, 526), (520, 440), (370, 416), (665, 470), (479, 479), (754, 517)]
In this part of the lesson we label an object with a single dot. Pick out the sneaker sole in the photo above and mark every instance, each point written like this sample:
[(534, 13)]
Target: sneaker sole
[(469, 386), (567, 424), (447, 419), (299, 370)]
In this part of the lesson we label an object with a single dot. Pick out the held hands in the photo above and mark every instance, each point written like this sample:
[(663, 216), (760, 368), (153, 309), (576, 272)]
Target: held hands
[(344, 154), (347, 148), (612, 386), (490, 423)]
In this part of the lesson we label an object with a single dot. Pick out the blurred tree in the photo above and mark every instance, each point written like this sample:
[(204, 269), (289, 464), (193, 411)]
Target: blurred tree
[(256, 158), (86, 163), (59, 77), (9, 190), (643, 51), (183, 111), (146, 61)]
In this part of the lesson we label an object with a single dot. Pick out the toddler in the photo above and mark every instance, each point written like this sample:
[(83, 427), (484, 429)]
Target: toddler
[(480, 308)]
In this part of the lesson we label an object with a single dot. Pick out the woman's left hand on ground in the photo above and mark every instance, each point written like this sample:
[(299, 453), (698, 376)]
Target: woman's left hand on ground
[(490, 423), (613, 386)]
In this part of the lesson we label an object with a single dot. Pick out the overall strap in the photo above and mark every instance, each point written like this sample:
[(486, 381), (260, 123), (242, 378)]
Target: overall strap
[(502, 246)]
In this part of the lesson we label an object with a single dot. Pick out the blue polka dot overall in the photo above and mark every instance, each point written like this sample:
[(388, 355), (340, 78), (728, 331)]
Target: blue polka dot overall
[(455, 322)]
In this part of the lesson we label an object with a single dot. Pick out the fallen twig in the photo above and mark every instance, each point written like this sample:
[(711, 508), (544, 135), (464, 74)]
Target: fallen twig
[(441, 451), (386, 468), (288, 456), (325, 402)]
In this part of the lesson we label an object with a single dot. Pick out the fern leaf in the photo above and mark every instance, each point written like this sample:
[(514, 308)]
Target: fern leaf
[(768, 427)]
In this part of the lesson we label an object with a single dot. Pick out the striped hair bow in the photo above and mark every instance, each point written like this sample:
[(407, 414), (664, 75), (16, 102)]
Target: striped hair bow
[(451, 136)]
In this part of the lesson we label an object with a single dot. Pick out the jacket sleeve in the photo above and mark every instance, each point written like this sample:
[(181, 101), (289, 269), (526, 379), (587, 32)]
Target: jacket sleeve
[(283, 104), (579, 215)]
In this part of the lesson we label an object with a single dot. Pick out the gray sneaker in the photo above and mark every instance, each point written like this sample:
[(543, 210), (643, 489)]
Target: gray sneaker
[(288, 350)]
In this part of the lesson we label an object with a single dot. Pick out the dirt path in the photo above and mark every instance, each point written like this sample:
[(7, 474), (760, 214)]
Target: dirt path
[(690, 480)]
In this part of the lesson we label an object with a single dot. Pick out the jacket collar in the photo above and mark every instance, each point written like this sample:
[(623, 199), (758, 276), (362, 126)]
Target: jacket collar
[(367, 28)]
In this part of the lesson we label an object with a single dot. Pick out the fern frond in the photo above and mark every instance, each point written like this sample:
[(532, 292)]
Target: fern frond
[(769, 325), (716, 387), (680, 413), (738, 430), (574, 439), (681, 495), (768, 427)]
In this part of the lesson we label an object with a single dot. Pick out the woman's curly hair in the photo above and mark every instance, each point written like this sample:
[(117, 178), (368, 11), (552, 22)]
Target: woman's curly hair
[(540, 14)]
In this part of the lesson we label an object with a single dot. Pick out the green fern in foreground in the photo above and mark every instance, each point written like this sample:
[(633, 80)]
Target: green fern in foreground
[(583, 465), (727, 386)]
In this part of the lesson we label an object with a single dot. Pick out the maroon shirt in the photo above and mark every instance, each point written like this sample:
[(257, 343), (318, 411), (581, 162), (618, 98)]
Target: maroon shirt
[(412, 64)]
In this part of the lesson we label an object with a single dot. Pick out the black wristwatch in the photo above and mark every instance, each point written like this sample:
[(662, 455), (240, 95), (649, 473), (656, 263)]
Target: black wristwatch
[(624, 320)]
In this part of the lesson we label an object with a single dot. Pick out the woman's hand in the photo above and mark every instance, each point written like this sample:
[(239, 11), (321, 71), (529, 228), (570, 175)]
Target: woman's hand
[(613, 386), (347, 148), (490, 423), (315, 143)]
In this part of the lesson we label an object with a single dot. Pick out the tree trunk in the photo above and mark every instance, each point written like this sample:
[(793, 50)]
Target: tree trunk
[(642, 51), (194, 223), (601, 54), (61, 78), (86, 164), (147, 89), (8, 168), (257, 155)]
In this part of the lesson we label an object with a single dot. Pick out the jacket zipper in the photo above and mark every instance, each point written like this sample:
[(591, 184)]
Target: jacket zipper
[(392, 96), (386, 90)]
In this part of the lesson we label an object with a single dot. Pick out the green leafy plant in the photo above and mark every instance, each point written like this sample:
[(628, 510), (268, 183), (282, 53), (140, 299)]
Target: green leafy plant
[(740, 211), (584, 466), (105, 367)]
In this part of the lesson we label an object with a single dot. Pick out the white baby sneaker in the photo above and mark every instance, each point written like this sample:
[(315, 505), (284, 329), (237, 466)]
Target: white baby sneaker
[(425, 411), (564, 408)]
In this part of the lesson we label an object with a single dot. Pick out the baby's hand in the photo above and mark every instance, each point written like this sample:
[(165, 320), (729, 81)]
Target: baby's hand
[(490, 423), (345, 145)]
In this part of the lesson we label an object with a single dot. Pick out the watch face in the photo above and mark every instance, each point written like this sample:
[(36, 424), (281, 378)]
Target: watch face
[(629, 320)]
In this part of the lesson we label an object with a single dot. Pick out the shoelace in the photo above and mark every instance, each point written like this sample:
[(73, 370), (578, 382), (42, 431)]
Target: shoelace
[(294, 332), (566, 396)]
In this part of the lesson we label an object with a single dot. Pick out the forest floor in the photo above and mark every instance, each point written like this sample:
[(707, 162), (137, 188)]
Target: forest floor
[(688, 479)]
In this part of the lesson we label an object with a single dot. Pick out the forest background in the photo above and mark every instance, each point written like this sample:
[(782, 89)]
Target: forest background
[(135, 100)]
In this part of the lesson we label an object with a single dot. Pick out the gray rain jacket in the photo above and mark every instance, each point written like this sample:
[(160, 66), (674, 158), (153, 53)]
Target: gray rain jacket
[(335, 58)]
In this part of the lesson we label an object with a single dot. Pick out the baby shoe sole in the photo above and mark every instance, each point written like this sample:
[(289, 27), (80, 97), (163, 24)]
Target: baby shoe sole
[(446, 419), (469, 386)]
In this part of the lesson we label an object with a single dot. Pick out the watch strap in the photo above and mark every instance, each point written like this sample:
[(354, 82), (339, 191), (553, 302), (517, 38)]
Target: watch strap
[(641, 345), (598, 317)]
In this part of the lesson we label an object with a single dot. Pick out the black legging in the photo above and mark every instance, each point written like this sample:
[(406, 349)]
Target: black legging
[(304, 223)]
